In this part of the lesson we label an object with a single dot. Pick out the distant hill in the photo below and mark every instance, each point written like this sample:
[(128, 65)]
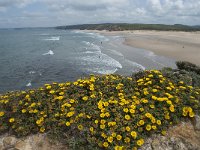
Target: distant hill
[(126, 26)]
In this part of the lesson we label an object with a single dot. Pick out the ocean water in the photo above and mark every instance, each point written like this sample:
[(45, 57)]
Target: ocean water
[(30, 58)]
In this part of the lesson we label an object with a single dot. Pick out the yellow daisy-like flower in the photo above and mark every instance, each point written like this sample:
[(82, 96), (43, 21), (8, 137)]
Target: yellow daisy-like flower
[(85, 98), (11, 120), (154, 127), (91, 129), (52, 92), (80, 127), (132, 111), (110, 139), (119, 137), (140, 142), (148, 115), (128, 128), (125, 110), (102, 126), (67, 123), (127, 140), (164, 132), (127, 117), (105, 144), (103, 121), (114, 134), (2, 113), (148, 127), (134, 134), (171, 108), (141, 122), (42, 129), (191, 114), (154, 90), (158, 122)]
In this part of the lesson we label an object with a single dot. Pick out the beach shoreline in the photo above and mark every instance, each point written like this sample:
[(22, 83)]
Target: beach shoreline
[(178, 45)]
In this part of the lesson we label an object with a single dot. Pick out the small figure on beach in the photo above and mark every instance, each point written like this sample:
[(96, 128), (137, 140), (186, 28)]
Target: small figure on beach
[(101, 42)]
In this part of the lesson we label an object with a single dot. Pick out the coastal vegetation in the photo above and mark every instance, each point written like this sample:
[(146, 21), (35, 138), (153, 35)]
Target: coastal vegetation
[(126, 26), (105, 111)]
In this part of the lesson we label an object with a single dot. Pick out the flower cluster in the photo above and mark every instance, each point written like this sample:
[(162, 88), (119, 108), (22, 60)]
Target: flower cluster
[(111, 111)]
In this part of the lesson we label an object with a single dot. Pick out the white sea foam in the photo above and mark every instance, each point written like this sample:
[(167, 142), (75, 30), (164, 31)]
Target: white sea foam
[(32, 72), (92, 46), (89, 52), (116, 52), (29, 84), (100, 63), (138, 66), (50, 52), (53, 38)]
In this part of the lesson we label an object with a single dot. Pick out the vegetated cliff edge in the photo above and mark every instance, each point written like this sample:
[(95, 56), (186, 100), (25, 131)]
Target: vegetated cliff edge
[(111, 112)]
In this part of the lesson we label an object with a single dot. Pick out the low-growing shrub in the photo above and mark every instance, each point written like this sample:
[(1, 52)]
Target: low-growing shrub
[(110, 111)]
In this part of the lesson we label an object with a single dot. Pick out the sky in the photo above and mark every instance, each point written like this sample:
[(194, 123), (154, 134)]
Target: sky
[(49, 13)]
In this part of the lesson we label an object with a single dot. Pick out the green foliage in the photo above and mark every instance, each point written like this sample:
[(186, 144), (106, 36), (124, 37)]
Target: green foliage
[(109, 111), (184, 65), (125, 26)]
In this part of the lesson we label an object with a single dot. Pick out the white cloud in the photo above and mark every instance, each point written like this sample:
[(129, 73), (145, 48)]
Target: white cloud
[(60, 12)]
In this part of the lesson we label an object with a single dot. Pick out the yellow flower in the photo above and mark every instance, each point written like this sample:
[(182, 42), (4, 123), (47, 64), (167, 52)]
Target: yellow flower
[(80, 127), (141, 122), (52, 92), (148, 115), (148, 127), (72, 101), (102, 115), (48, 87), (132, 111), (127, 140), (60, 97), (154, 127), (171, 108), (103, 135), (153, 120), (11, 120), (114, 134), (191, 114), (125, 110), (154, 90), (105, 104), (119, 137), (105, 144), (85, 98), (154, 97), (103, 121), (140, 142), (96, 121), (134, 134), (2, 113), (110, 139), (128, 128), (91, 129), (102, 126), (127, 117), (164, 132), (158, 122), (152, 106), (42, 129), (67, 123)]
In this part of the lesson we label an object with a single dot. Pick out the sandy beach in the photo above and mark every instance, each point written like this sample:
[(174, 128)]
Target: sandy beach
[(184, 46)]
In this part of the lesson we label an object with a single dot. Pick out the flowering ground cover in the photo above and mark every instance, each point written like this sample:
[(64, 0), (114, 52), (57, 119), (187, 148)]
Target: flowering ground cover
[(110, 111)]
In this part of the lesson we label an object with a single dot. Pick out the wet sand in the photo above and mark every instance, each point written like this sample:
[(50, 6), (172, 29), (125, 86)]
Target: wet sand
[(184, 46)]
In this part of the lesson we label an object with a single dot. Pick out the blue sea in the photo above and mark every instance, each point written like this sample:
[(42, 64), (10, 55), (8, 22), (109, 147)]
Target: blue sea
[(30, 58)]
